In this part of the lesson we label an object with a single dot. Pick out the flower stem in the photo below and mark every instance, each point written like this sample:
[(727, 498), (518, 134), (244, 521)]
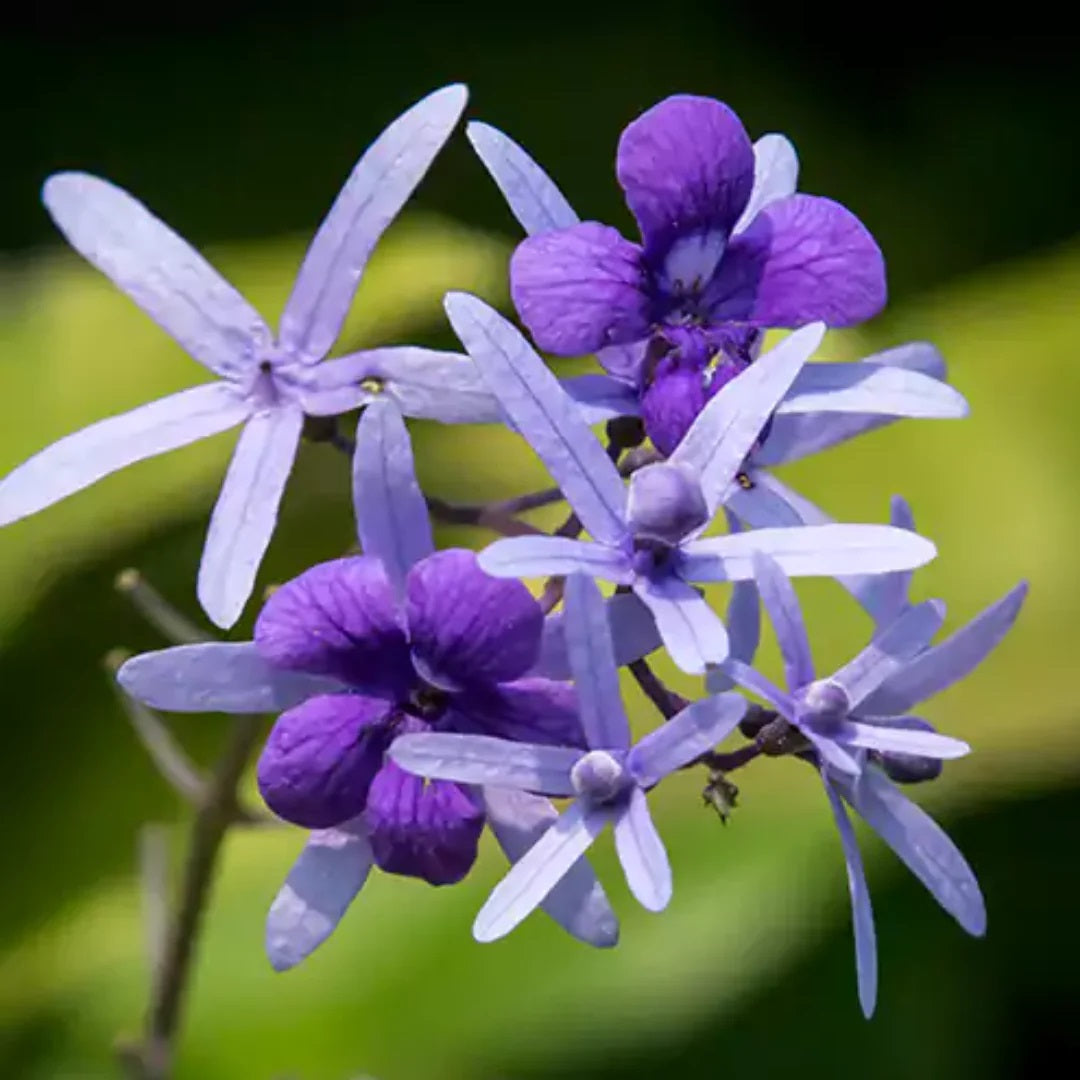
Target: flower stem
[(151, 1057)]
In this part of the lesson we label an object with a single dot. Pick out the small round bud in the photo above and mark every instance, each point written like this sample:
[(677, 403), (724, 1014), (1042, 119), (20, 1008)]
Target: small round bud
[(598, 776), (910, 768), (665, 503), (822, 702)]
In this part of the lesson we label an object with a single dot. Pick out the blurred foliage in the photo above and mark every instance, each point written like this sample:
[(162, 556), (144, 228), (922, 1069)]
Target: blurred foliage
[(751, 966)]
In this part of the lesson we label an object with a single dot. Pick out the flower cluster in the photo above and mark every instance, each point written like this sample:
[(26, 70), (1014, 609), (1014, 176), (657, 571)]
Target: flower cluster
[(424, 694)]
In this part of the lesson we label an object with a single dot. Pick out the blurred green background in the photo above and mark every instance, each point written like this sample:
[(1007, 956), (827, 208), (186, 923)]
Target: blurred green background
[(237, 127)]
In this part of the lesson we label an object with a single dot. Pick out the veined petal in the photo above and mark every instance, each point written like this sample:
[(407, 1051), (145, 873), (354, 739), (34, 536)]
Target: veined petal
[(921, 844), (802, 259), (539, 870), (481, 759), (726, 430), (601, 397), (578, 902), (79, 460), (794, 435), (642, 854), (762, 503), (376, 190), (323, 882), (161, 272), (947, 663), (809, 550), (743, 622), (623, 361), (630, 623), (580, 289), (538, 556), (246, 511), (865, 387), (339, 619), (526, 710), (424, 829), (322, 756), (885, 596), (782, 604), (687, 167), (533, 197), (898, 740), (423, 383), (466, 626), (685, 737), (592, 664), (217, 676), (692, 632), (391, 515), (862, 913), (890, 651), (545, 414), (776, 175)]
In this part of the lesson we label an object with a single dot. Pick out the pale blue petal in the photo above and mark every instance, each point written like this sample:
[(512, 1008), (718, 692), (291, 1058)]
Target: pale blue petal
[(891, 649), (762, 505), (543, 412), (246, 511), (533, 197), (885, 596), (592, 664), (391, 514), (642, 854), (483, 759), (376, 190), (217, 676), (727, 428), (901, 741), (685, 737), (539, 556), (782, 604), (864, 387), (81, 459), (835, 757), (691, 631), (810, 550), (795, 436), (161, 272), (749, 679), (536, 874), (424, 383), (601, 397), (331, 870), (633, 635), (922, 845), (947, 663), (776, 175), (578, 902), (862, 913)]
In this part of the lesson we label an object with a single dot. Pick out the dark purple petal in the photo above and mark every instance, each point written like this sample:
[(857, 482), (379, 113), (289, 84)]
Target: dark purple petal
[(672, 402), (687, 167), (528, 710), (580, 289), (467, 627), (804, 258), (338, 618), (321, 758), (427, 829)]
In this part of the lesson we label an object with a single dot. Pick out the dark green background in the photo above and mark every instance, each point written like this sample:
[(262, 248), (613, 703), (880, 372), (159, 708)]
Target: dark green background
[(237, 126)]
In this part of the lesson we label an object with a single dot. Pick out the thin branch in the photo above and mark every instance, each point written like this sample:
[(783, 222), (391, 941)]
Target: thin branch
[(165, 752), (151, 1058), (667, 702), (158, 612)]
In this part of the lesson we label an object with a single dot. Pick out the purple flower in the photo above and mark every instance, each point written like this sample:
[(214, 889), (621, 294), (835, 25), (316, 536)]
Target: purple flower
[(669, 381), (357, 652), (608, 780), (857, 719), (647, 538), (266, 382)]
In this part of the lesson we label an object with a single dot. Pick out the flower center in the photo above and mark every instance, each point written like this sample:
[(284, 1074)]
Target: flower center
[(823, 704), (598, 776)]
